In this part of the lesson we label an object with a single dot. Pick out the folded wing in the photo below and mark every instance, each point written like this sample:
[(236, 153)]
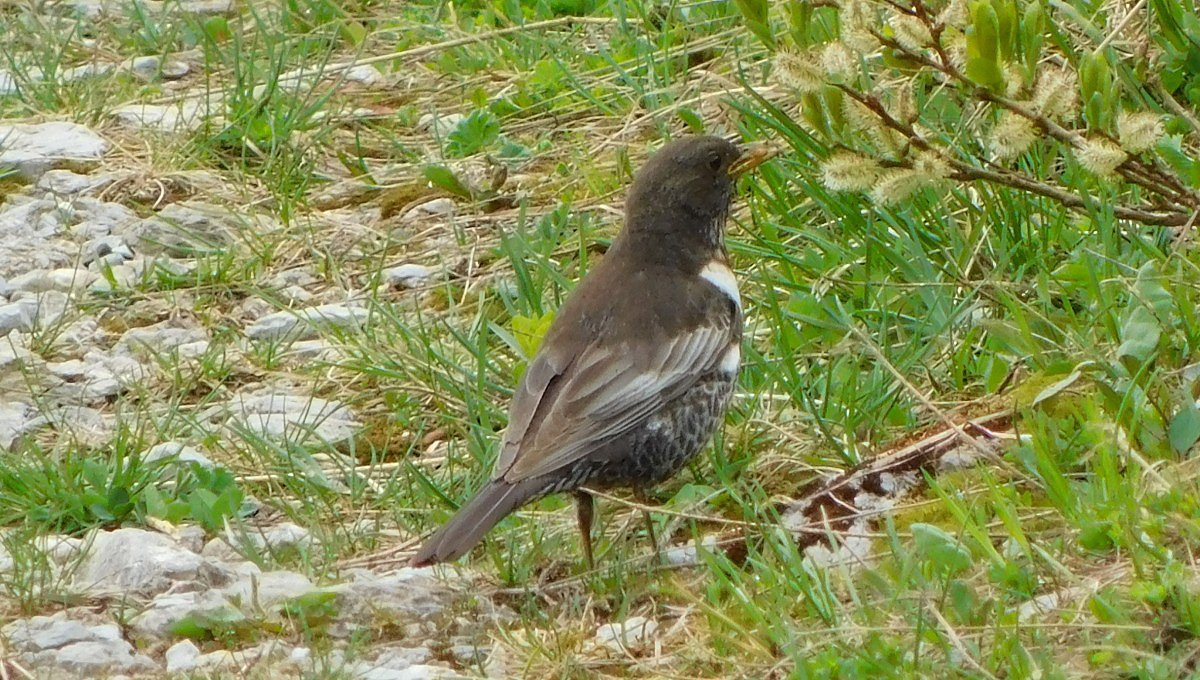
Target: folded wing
[(568, 406)]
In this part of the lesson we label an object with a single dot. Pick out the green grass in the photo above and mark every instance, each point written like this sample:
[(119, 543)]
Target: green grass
[(980, 296)]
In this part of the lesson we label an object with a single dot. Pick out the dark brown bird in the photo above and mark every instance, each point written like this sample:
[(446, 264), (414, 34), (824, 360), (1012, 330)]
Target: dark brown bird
[(637, 369)]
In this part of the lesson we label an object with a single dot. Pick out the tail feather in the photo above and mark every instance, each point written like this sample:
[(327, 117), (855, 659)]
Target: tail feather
[(467, 527)]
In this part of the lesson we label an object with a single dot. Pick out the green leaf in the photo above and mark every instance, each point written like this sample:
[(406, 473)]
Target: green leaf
[(692, 119), (1184, 431), (1008, 24), (353, 32), (473, 133), (529, 331), (941, 550), (800, 19), (1171, 150), (1051, 391), (756, 14), (1139, 335), (995, 370), (1096, 89), (217, 29), (1033, 32), (443, 178), (983, 47), (1150, 291)]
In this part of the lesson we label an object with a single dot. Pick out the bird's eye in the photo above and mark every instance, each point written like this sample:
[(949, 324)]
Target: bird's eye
[(714, 161)]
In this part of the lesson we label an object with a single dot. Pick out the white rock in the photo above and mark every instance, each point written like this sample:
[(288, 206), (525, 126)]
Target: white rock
[(64, 279), (33, 149), (137, 561), (95, 218), (182, 656), (267, 589), (97, 375), (303, 324), (191, 537), (174, 70), (202, 7), (27, 311), (399, 658), (8, 83), (96, 658), (184, 229), (299, 656), (292, 277), (164, 338), (219, 549), (145, 68), (83, 423), (78, 337), (56, 643), (436, 207), (365, 74), (293, 417), (364, 671), (220, 660), (285, 535), (164, 611), (94, 9), (68, 183), (407, 594), (315, 350), (28, 228), (151, 68), (295, 295), (17, 316), (631, 634), (687, 555), (408, 276), (90, 70), (60, 549), (45, 632), (185, 115), (441, 125), (15, 419), (176, 452), (124, 276), (112, 250)]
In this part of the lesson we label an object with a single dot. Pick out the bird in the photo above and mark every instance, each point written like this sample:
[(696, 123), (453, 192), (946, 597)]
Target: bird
[(638, 367)]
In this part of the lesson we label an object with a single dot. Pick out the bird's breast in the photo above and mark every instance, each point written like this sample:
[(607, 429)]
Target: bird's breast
[(720, 276)]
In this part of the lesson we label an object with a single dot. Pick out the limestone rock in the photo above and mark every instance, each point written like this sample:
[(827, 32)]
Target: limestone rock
[(634, 633), (165, 611), (34, 148), (408, 276), (303, 324), (184, 229), (142, 562)]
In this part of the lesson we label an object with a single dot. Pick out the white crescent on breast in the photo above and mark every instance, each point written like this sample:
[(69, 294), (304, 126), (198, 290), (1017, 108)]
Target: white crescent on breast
[(720, 275)]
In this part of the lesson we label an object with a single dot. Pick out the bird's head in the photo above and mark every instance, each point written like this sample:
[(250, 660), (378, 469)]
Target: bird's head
[(686, 187)]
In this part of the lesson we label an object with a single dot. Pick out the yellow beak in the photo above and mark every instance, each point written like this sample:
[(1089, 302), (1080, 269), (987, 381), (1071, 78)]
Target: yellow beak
[(751, 158)]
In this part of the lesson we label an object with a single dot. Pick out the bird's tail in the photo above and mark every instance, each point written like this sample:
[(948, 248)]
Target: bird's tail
[(467, 527)]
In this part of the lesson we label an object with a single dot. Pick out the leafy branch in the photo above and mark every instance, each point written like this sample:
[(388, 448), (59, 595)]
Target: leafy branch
[(881, 82)]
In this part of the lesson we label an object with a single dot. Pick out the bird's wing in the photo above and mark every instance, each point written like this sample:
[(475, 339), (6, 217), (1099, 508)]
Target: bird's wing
[(567, 406)]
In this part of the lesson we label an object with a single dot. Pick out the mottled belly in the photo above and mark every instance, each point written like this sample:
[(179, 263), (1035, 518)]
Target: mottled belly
[(668, 439)]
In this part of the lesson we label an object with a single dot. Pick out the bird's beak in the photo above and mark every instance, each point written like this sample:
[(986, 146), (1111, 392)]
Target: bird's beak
[(752, 157)]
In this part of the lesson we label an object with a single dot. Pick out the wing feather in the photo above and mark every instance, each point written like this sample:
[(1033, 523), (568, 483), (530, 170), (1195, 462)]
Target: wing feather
[(568, 407)]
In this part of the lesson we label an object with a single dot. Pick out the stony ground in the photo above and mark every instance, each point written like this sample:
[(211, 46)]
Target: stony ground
[(269, 271), (79, 351)]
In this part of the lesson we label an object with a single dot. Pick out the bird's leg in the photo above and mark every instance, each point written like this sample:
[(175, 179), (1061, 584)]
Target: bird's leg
[(584, 510), (639, 494)]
